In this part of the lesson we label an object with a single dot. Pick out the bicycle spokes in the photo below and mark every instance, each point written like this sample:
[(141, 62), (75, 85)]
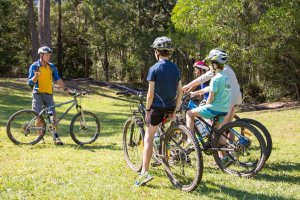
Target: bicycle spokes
[(241, 150)]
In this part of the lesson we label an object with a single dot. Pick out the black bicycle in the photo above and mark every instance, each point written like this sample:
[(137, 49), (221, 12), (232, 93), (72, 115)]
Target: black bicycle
[(239, 142), (29, 127), (258, 125), (176, 148)]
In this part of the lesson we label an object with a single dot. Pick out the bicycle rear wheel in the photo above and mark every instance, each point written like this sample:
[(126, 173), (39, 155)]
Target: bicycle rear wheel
[(264, 132), (85, 128), (241, 150), (133, 143), (21, 127), (182, 160)]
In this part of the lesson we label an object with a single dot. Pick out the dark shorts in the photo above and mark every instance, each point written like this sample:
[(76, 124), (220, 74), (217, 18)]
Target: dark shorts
[(39, 99), (156, 115)]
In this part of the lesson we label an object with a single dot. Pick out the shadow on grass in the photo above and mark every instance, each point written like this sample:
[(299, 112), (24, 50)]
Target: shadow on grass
[(210, 188), (281, 168), (93, 147)]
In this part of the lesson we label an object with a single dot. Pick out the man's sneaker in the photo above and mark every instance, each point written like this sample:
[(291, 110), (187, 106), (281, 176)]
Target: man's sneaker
[(57, 141), (226, 161), (42, 141), (142, 179)]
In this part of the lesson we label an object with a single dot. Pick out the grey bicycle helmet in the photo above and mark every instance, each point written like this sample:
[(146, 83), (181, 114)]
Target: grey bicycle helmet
[(44, 49), (217, 55), (163, 43)]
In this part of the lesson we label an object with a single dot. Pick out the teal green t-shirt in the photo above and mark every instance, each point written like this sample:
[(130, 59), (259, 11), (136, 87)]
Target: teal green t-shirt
[(220, 86)]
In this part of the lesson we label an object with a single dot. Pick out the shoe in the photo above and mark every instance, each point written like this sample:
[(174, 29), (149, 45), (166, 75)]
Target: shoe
[(226, 161), (142, 179), (42, 141), (57, 141)]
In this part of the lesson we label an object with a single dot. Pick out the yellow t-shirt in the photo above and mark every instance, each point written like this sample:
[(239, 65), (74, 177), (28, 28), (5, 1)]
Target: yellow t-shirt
[(45, 80)]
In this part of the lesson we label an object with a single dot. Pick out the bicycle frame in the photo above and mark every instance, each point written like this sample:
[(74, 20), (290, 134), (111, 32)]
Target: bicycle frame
[(142, 109), (73, 103), (207, 145)]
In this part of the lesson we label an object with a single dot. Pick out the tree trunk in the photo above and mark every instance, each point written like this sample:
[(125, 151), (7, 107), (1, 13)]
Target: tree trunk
[(105, 59), (47, 31), (41, 22), (33, 33), (297, 92), (59, 40), (44, 23)]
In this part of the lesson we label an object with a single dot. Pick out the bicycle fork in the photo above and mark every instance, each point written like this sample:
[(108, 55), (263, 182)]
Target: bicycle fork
[(82, 121)]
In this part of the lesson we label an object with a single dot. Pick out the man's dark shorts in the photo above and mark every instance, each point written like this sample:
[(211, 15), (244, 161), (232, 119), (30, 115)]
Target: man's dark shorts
[(38, 100), (156, 115)]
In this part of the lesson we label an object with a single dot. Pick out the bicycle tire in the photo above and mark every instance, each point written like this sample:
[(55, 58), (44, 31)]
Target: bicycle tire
[(240, 152), (20, 126), (133, 143), (260, 127), (85, 132), (183, 168)]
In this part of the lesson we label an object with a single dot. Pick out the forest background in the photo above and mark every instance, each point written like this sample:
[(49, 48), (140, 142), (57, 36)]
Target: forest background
[(110, 40)]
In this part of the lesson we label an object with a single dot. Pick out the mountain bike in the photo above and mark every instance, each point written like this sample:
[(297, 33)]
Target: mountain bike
[(258, 125), (22, 126), (176, 148), (238, 141)]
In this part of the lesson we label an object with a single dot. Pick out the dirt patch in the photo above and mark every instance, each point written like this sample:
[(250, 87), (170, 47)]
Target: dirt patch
[(267, 106)]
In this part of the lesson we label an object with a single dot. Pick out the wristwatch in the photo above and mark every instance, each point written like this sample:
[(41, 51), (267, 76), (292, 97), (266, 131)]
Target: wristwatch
[(148, 110)]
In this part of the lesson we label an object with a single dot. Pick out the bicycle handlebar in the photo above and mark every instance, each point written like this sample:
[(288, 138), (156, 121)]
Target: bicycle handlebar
[(75, 94), (127, 93)]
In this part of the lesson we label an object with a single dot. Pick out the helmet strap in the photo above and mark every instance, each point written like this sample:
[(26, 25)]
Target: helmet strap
[(157, 54)]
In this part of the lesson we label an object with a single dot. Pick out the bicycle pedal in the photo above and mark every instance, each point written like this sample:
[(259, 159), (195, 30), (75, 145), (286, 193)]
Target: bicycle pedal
[(156, 164)]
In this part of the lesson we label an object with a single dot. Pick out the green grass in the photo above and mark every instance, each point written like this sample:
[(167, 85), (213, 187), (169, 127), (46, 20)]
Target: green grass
[(99, 171)]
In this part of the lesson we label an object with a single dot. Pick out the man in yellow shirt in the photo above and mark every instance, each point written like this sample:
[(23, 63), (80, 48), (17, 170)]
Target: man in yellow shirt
[(42, 74)]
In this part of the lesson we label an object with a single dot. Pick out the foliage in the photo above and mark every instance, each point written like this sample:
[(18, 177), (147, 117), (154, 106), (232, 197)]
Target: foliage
[(261, 37), (110, 40)]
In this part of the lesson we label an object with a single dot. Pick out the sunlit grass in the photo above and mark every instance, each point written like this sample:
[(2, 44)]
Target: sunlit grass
[(99, 171)]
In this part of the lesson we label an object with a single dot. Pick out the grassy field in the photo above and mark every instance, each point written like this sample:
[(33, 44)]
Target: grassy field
[(99, 170)]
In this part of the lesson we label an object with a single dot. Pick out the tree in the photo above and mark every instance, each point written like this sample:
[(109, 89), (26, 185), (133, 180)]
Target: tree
[(33, 33), (44, 23)]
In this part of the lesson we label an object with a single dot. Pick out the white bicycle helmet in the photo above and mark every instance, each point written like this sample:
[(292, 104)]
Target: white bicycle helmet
[(44, 49), (217, 55), (163, 43)]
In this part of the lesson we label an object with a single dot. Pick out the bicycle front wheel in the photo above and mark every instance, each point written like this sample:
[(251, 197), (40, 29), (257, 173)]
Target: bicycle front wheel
[(182, 158), (239, 149), (85, 128), (25, 127), (133, 143)]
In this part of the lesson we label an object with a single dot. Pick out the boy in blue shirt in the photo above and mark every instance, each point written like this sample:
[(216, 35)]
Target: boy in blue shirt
[(163, 97)]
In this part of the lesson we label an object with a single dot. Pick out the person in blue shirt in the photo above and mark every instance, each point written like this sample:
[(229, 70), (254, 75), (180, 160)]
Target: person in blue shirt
[(163, 97), (42, 74)]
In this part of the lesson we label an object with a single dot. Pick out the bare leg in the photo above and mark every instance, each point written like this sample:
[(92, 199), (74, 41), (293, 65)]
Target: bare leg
[(148, 147), (190, 123), (228, 118)]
